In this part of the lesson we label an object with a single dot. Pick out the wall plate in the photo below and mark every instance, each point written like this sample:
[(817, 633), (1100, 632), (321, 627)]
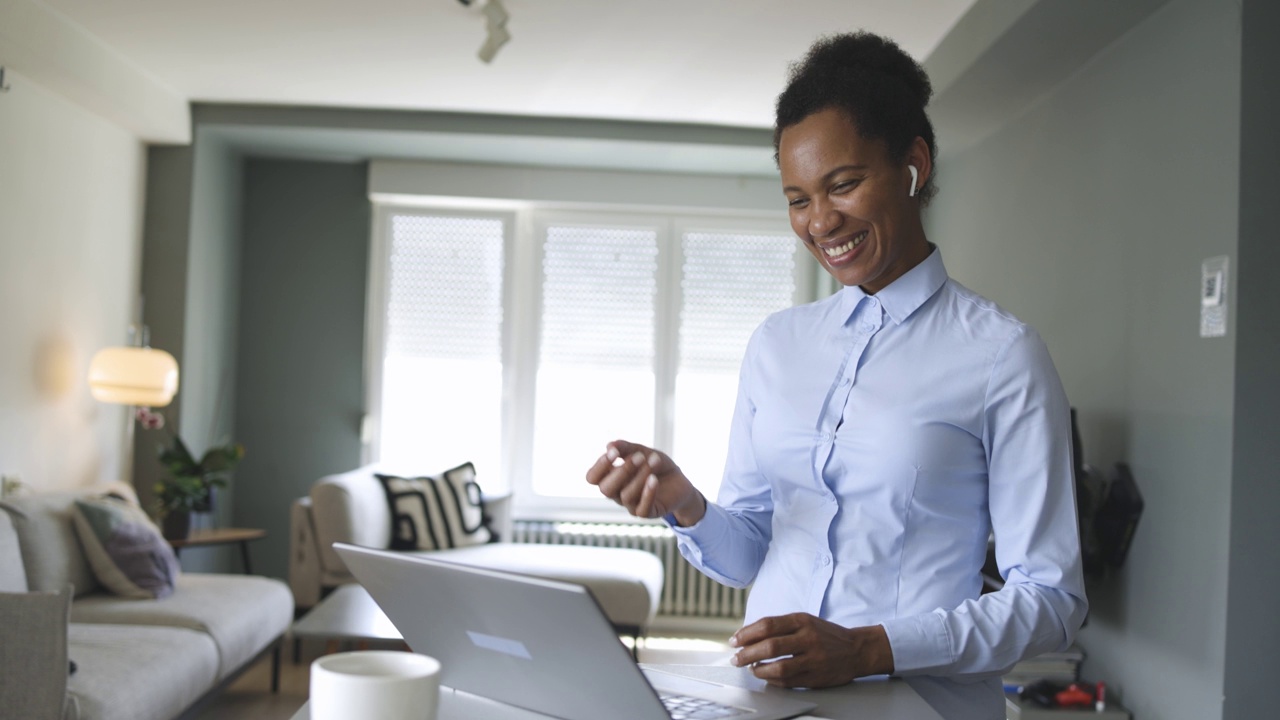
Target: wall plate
[(1213, 296)]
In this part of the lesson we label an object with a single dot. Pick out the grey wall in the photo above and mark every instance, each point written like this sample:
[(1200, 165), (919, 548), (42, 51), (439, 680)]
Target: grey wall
[(165, 250), (1088, 216), (299, 395), (209, 346), (1253, 628), (191, 263)]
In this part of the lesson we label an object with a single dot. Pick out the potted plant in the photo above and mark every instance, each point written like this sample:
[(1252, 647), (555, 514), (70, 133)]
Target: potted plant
[(188, 488)]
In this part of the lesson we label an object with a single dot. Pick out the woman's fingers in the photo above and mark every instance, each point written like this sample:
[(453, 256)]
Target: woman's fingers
[(648, 494), (622, 475)]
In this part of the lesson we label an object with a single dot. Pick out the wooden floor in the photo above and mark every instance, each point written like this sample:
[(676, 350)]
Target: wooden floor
[(250, 697)]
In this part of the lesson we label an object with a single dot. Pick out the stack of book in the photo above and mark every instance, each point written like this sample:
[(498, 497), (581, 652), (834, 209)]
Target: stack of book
[(1058, 667)]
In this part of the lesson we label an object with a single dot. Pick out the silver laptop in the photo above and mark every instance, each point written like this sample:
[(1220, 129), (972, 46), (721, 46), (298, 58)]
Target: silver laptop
[(538, 644)]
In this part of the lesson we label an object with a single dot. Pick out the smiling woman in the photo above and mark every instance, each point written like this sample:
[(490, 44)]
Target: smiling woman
[(851, 203), (856, 151), (881, 435)]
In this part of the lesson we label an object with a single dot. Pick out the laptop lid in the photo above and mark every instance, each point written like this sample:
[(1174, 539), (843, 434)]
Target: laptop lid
[(537, 644)]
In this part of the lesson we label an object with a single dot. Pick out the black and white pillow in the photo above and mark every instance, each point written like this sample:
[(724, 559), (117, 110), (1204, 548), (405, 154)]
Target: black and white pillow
[(437, 512)]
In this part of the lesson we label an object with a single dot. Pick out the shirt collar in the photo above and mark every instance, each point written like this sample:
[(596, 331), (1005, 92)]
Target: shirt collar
[(906, 294)]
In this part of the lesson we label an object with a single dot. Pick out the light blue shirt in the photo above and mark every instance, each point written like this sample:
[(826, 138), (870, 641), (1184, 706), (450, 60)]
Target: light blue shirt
[(877, 442)]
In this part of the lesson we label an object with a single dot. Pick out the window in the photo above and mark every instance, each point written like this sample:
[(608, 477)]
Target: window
[(441, 361), (526, 353)]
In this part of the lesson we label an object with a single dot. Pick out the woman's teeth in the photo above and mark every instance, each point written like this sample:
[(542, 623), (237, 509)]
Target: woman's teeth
[(833, 252)]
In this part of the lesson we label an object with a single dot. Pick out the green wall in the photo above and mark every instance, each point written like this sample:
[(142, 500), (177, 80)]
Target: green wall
[(299, 395)]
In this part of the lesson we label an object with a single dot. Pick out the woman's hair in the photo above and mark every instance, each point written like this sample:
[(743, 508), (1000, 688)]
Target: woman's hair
[(880, 87)]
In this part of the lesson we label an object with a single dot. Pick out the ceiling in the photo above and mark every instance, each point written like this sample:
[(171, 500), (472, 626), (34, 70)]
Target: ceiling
[(716, 62)]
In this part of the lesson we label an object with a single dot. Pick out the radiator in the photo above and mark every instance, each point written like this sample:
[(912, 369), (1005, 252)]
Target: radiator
[(686, 593)]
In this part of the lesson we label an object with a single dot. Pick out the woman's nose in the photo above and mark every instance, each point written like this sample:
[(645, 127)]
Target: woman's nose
[(823, 218)]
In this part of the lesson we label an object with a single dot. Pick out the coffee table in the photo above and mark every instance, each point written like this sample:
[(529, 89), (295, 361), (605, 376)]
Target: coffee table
[(346, 614)]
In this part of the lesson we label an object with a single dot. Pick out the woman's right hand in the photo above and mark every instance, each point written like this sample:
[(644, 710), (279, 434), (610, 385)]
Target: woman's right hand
[(647, 483)]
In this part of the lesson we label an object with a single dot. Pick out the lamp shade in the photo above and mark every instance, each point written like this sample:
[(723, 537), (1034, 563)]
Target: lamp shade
[(133, 376)]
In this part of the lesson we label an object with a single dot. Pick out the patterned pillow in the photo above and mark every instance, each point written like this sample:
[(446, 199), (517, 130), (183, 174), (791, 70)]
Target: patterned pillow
[(125, 550), (439, 512)]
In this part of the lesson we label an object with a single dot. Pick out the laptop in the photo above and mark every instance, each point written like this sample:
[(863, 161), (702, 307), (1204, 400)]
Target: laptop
[(542, 645)]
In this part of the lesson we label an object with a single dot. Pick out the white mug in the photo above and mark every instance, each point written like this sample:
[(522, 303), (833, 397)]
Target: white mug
[(375, 685)]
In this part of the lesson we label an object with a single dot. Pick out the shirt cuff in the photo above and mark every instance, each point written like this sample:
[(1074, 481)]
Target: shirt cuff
[(920, 643), (706, 534)]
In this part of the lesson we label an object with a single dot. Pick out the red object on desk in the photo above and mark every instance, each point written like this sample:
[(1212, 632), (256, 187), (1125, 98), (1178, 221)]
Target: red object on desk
[(1076, 695)]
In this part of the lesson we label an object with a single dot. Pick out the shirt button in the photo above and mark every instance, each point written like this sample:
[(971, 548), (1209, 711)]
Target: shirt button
[(826, 560), (844, 381), (824, 437)]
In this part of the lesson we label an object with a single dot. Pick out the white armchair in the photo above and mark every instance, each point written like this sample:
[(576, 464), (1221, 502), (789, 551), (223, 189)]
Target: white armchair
[(352, 507)]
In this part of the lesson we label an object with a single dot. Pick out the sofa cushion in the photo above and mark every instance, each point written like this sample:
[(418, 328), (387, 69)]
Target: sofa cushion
[(13, 576), (51, 552), (33, 654), (436, 512), (126, 672), (125, 550), (242, 613)]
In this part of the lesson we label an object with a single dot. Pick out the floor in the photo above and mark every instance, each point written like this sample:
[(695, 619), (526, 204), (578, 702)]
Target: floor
[(250, 697)]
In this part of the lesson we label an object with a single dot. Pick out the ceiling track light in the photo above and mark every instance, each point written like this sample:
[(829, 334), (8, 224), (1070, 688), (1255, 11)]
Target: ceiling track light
[(495, 17)]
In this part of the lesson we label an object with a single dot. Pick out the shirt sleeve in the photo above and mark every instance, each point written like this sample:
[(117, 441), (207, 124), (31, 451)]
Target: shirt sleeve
[(1031, 498), (728, 544)]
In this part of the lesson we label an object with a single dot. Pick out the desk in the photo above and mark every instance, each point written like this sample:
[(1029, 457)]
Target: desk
[(880, 699), (221, 536)]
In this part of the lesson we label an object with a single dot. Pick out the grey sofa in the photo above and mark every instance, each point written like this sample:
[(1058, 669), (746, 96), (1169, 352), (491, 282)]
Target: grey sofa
[(352, 507), (135, 659)]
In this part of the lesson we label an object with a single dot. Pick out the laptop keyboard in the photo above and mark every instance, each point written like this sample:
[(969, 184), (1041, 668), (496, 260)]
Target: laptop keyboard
[(683, 707)]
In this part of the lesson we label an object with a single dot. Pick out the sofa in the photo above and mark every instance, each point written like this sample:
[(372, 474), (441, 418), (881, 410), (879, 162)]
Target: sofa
[(134, 659), (352, 507)]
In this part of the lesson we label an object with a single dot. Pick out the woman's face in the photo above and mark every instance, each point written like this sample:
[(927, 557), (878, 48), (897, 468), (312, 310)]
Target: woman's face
[(849, 201)]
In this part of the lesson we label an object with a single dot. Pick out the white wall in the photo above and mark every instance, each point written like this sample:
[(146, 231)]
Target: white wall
[(1089, 216), (70, 237)]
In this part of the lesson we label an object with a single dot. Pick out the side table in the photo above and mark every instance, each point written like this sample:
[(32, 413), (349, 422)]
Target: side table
[(222, 536)]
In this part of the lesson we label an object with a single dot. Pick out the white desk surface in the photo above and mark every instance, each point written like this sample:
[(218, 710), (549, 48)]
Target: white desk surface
[(881, 699)]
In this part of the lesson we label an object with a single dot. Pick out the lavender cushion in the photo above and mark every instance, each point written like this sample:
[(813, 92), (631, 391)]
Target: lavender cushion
[(125, 550)]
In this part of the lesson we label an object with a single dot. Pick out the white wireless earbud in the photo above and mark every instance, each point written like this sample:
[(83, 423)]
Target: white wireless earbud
[(915, 177)]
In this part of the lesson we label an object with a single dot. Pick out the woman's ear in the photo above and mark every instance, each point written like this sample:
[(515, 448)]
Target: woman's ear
[(920, 163)]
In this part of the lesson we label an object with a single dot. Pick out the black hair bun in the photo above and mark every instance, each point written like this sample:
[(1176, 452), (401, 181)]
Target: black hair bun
[(881, 88)]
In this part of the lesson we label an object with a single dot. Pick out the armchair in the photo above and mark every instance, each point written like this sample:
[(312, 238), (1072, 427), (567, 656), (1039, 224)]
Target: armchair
[(352, 507)]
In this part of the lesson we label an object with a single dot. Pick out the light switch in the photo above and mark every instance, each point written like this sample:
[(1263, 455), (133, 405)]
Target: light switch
[(1213, 296)]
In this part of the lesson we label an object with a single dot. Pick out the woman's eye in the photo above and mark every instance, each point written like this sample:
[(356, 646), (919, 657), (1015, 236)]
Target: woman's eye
[(845, 186), (798, 202)]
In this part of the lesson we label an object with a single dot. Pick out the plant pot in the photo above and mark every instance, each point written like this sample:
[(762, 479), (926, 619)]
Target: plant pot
[(205, 505), (176, 525)]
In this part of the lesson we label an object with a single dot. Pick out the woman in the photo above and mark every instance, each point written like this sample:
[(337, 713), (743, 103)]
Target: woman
[(881, 435)]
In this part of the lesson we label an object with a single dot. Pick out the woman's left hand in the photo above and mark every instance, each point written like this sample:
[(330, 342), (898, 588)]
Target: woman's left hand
[(811, 652)]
